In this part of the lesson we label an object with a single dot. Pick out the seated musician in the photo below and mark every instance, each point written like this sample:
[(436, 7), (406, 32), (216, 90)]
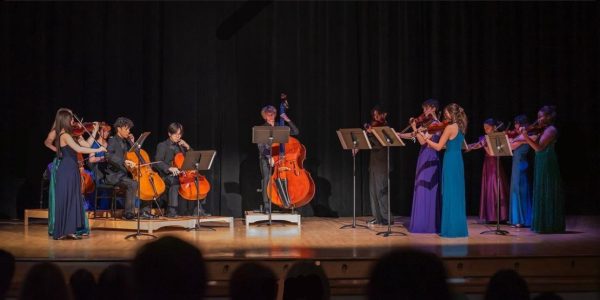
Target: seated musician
[(116, 171), (97, 161), (165, 152), (269, 113)]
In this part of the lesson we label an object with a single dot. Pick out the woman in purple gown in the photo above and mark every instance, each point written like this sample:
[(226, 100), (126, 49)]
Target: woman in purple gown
[(425, 216), (489, 180)]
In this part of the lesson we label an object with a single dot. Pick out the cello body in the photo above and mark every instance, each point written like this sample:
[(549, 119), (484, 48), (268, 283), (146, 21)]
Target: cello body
[(151, 185), (187, 186), (87, 182)]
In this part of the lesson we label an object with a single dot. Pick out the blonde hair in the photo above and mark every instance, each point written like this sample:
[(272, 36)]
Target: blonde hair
[(458, 116), (268, 109)]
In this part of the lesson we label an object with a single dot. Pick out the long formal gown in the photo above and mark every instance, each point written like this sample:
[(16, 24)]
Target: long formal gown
[(425, 216), (454, 215), (520, 189), (548, 200), (489, 190), (66, 207)]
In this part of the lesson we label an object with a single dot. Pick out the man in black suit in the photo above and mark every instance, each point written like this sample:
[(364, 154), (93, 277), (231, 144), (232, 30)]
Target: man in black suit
[(116, 171), (165, 153)]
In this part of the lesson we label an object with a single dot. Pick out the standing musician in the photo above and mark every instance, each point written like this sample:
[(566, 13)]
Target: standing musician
[(116, 171), (165, 152), (51, 137), (266, 161), (377, 169)]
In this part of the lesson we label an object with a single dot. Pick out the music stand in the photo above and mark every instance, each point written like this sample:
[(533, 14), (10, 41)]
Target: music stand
[(198, 161), (269, 135), (137, 145), (387, 138), (353, 139), (498, 145)]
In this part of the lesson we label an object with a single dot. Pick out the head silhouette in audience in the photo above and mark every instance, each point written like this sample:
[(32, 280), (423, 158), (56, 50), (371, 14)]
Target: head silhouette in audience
[(169, 268), (83, 285), (44, 281), (305, 280), (408, 274), (116, 282), (253, 281), (7, 270), (548, 296), (507, 284)]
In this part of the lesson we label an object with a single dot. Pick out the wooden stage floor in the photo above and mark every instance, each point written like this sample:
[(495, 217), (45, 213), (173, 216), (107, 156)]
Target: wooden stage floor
[(570, 260)]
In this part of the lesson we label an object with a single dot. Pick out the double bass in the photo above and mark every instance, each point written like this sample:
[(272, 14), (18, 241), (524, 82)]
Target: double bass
[(291, 186), (187, 186), (151, 185)]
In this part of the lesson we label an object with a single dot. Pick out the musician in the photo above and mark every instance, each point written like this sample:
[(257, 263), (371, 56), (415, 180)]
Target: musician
[(116, 171), (378, 185), (266, 161), (165, 152)]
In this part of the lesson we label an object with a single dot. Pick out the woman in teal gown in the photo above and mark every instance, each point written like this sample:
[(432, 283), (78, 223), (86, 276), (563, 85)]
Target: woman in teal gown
[(454, 216), (548, 201)]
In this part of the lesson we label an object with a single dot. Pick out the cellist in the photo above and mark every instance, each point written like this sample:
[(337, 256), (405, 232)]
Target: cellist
[(165, 152), (116, 171), (269, 114)]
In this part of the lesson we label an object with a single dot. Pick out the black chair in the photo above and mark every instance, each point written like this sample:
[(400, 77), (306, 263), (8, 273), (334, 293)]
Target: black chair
[(113, 191)]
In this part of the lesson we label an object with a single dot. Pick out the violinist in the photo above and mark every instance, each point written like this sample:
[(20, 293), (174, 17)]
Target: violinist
[(489, 179), (378, 184), (165, 152), (454, 217), (520, 188), (426, 194), (548, 201), (116, 170), (66, 215), (269, 113)]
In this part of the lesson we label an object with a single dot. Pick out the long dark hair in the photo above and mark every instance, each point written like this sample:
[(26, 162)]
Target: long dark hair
[(62, 121)]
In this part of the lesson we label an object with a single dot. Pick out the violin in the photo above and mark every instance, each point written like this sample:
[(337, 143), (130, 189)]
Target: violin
[(187, 181), (437, 127), (512, 133), (78, 129), (291, 185), (536, 128)]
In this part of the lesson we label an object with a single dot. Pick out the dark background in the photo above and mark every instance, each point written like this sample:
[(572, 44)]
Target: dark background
[(203, 65)]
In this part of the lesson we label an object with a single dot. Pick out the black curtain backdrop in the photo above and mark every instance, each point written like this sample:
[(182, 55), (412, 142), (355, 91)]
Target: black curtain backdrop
[(162, 62)]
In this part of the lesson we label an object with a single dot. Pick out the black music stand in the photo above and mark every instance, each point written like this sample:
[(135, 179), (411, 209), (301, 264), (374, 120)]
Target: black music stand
[(388, 138), (137, 145), (498, 145), (353, 139), (269, 135), (198, 161)]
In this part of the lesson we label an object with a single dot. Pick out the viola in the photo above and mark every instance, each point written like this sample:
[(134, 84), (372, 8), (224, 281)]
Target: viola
[(151, 185), (512, 133), (187, 181), (291, 186), (79, 129), (536, 128)]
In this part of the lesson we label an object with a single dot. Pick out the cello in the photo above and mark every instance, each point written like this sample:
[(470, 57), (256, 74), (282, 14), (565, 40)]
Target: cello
[(187, 186), (151, 185), (291, 186), (87, 182)]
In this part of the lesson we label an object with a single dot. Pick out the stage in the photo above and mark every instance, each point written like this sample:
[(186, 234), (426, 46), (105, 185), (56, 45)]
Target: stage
[(568, 262)]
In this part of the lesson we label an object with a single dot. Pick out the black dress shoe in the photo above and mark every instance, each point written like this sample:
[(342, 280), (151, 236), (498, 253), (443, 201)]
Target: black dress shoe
[(147, 215), (128, 216), (373, 221), (172, 213)]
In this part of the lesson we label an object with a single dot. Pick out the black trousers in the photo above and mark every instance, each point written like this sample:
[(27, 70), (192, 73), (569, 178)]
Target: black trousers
[(265, 172), (378, 194), (131, 187)]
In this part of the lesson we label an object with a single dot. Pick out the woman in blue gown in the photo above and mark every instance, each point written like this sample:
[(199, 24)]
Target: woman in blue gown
[(67, 219), (520, 188), (454, 216)]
